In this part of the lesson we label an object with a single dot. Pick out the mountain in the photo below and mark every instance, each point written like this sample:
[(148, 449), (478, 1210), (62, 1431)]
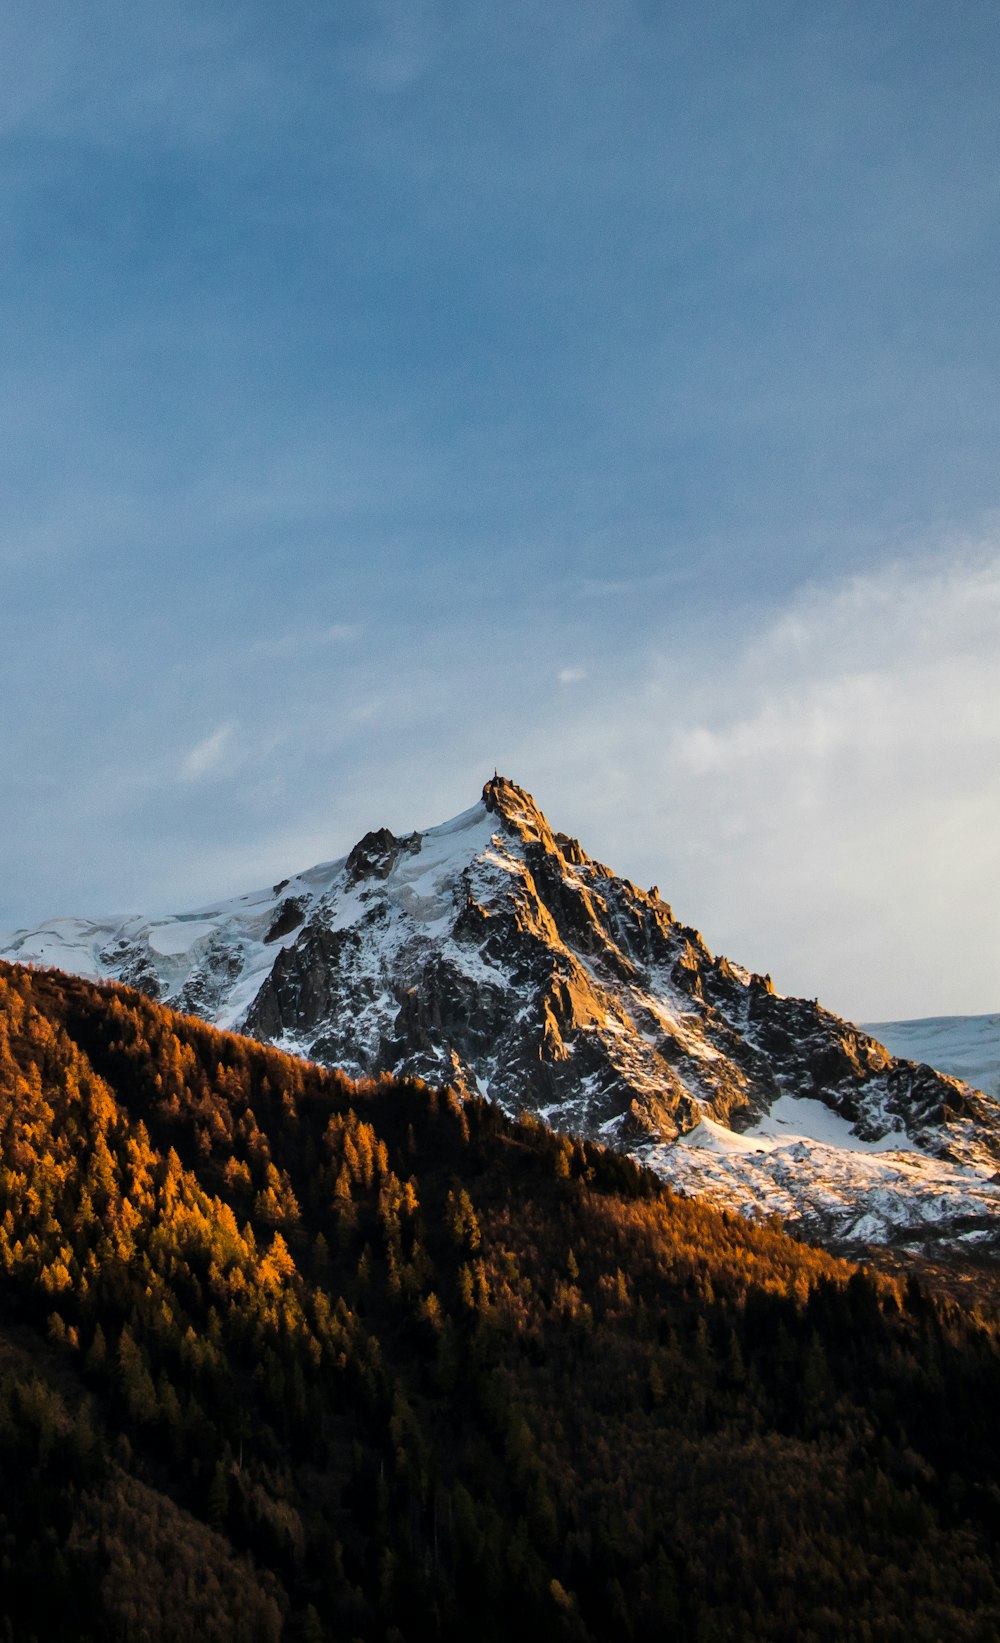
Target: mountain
[(284, 1358), (963, 1046), (494, 954)]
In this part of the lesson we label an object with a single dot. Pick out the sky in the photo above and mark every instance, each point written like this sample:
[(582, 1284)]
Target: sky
[(603, 391)]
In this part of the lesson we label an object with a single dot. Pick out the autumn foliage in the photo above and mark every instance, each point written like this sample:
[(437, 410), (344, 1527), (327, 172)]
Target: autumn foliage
[(286, 1357)]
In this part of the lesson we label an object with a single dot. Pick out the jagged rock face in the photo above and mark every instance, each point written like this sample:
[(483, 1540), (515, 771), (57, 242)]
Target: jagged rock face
[(485, 955), (496, 955), (529, 972)]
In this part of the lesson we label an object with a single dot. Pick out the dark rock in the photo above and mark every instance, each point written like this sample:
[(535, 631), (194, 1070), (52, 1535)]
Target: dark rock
[(373, 856), (288, 915)]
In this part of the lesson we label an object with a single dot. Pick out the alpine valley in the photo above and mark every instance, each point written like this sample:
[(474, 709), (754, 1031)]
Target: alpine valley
[(492, 954)]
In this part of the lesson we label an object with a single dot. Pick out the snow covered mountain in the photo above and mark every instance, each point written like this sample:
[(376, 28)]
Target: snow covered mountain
[(964, 1046), (496, 955)]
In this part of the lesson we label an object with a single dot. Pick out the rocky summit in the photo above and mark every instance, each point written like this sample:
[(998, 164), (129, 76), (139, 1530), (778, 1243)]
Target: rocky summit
[(494, 954)]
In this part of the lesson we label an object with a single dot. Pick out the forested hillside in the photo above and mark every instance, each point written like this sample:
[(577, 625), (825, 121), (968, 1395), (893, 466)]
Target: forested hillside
[(284, 1357)]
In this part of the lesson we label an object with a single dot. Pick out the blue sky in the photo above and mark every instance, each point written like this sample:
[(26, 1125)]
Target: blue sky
[(604, 391)]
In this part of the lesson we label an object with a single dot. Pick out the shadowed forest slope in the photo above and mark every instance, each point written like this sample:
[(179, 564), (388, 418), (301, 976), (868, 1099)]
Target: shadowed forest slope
[(286, 1357)]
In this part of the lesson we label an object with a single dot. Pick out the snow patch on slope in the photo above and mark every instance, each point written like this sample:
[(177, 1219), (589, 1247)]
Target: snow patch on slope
[(830, 1181)]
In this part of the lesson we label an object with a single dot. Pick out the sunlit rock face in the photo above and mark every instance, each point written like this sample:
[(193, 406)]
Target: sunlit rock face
[(494, 954)]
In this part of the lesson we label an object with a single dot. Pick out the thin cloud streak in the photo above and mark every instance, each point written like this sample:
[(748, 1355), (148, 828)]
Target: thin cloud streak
[(206, 758)]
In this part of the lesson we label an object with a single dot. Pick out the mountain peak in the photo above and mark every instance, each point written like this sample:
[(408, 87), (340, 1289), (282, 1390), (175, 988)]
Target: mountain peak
[(494, 954), (515, 805)]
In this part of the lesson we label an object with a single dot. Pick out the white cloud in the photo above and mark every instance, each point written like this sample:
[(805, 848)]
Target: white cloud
[(819, 795), (298, 643), (823, 799), (817, 787), (207, 756), (571, 675)]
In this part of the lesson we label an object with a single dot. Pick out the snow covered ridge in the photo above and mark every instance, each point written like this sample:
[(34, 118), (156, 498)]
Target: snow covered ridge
[(496, 955), (965, 1046)]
